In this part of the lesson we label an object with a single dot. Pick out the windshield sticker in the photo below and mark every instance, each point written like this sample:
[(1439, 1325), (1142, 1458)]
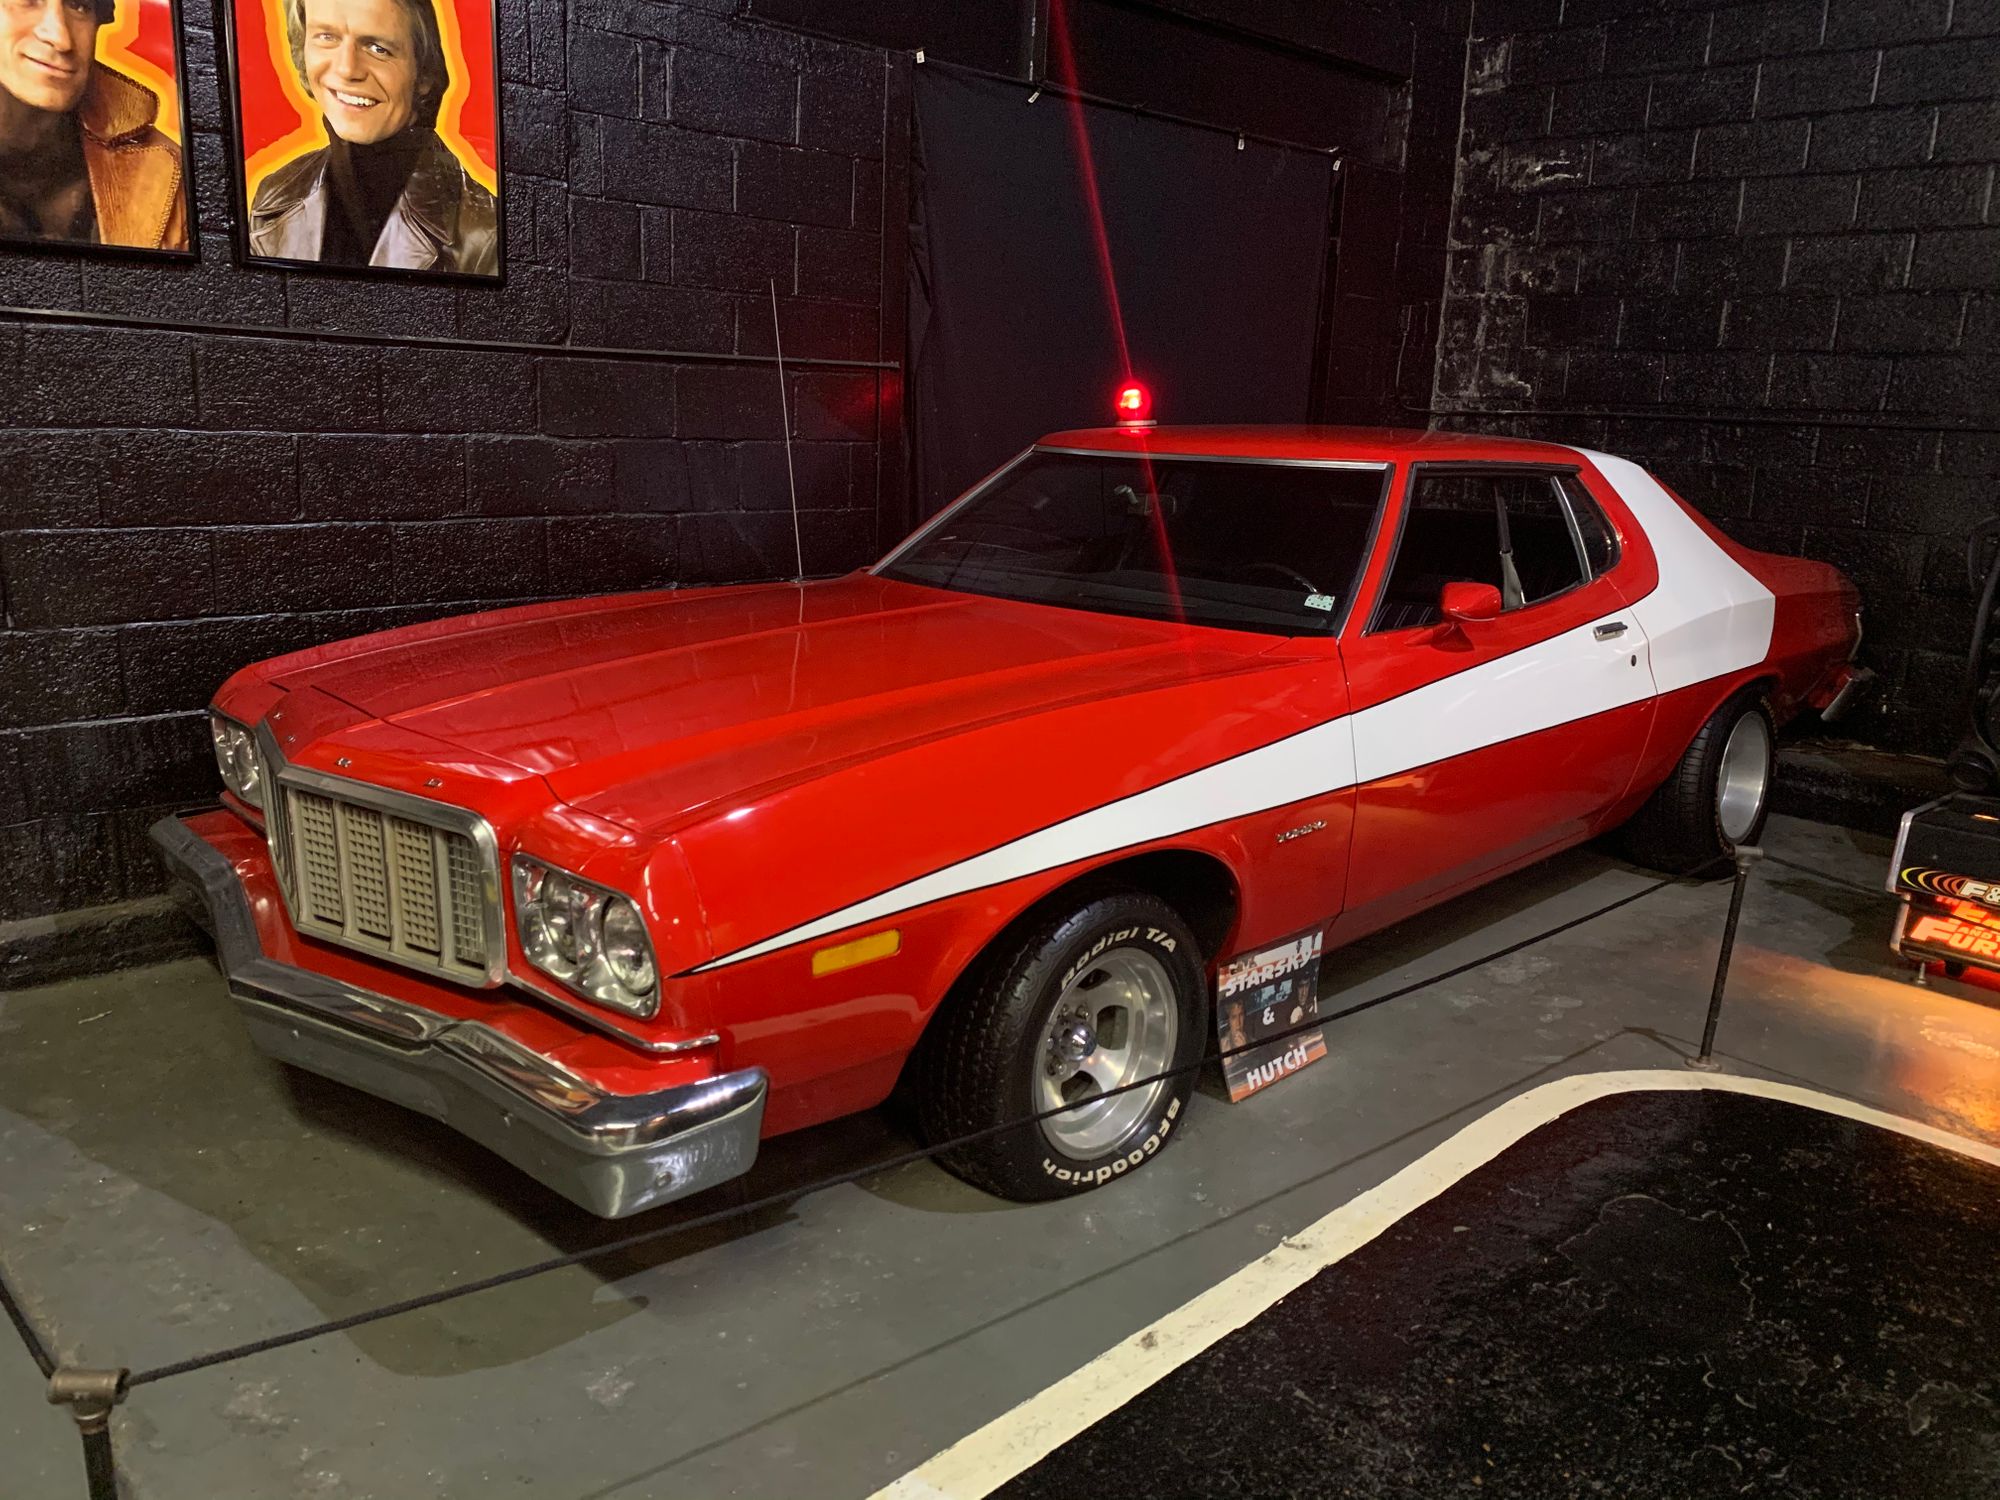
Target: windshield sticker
[(1319, 601)]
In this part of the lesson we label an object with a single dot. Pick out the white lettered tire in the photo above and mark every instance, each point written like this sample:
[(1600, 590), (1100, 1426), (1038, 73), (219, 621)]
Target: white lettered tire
[(1063, 1014)]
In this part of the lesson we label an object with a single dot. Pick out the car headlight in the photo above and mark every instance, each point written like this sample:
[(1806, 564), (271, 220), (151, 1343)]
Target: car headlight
[(236, 759), (591, 939)]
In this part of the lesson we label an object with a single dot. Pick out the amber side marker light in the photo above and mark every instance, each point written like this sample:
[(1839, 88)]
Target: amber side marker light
[(863, 950)]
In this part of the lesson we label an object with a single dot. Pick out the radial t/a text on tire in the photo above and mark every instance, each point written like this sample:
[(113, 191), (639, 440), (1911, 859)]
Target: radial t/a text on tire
[(1061, 1018)]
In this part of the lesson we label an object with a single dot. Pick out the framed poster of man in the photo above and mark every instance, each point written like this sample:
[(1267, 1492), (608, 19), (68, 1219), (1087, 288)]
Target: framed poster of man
[(367, 135), (90, 126)]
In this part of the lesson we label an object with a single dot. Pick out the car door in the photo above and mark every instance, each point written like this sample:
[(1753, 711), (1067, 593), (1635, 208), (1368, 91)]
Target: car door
[(1482, 743)]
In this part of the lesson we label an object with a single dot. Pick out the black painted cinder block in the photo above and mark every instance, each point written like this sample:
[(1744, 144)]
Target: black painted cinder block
[(730, 402), (813, 329), (1849, 262), (105, 577), (841, 102), (732, 96), (1822, 496), (723, 548), (1686, 210), (1671, 323), (650, 474), (48, 676), (1968, 258), (99, 377), (1657, 156), (1968, 132), (457, 390), (646, 163), (436, 562), (636, 315), (841, 264), (1817, 85), (605, 554), (1709, 97), (1599, 378), (795, 185), (1829, 382), (60, 861), (604, 239), (537, 130), (1924, 198), (838, 405), (1960, 69), (1731, 267), (277, 569), (164, 478), (358, 478), (603, 72), (1961, 384), (726, 252), (1872, 138), (115, 763), (1798, 205), (607, 398), (1777, 29), (1757, 149), (1901, 323), (279, 386), (531, 476), (1730, 380), (1793, 322)]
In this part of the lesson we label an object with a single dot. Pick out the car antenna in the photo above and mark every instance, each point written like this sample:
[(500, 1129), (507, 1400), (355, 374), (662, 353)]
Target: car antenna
[(785, 415)]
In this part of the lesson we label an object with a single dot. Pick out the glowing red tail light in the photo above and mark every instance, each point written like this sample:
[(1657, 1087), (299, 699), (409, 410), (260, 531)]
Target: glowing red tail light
[(1134, 405)]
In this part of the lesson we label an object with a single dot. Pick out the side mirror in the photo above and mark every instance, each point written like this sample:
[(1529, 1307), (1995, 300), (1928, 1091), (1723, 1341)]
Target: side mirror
[(1463, 603)]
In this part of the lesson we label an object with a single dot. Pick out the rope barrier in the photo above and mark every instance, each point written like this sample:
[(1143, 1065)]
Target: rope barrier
[(38, 1349), (840, 1179)]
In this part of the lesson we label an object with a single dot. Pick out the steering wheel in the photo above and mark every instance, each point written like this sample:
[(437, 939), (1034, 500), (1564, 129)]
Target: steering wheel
[(1290, 575)]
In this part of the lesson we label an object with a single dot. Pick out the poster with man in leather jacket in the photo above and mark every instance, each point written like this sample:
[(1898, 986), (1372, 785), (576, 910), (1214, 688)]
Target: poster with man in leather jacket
[(90, 111), (369, 132)]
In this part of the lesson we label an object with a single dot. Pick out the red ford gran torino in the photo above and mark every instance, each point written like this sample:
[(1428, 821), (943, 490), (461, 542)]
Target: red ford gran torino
[(619, 886)]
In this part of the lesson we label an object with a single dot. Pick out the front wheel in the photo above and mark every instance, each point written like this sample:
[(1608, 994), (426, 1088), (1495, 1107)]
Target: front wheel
[(1717, 798), (1061, 1019)]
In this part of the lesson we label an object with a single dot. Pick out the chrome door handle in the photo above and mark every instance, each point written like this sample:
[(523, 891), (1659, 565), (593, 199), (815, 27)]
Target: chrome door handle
[(1610, 632)]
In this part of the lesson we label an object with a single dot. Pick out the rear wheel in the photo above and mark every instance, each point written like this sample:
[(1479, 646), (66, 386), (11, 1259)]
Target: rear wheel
[(1717, 797), (1060, 1019)]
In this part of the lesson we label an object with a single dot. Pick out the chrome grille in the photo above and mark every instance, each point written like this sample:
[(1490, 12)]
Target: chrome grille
[(406, 879)]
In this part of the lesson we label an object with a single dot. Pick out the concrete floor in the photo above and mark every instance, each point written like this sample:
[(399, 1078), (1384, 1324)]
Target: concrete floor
[(164, 1191)]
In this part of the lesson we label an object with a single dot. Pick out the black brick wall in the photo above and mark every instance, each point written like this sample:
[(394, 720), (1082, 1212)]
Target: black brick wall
[(180, 501), (1757, 247)]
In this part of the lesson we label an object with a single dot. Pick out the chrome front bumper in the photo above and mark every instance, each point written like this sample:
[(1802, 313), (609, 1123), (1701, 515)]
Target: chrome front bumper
[(614, 1154)]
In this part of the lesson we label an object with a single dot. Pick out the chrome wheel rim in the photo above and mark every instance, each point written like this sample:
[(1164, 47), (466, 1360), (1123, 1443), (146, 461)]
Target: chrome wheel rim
[(1744, 777), (1114, 1023)]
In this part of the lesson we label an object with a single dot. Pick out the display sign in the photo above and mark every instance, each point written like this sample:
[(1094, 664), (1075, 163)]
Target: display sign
[(1963, 935), (1268, 994), (91, 125), (367, 134)]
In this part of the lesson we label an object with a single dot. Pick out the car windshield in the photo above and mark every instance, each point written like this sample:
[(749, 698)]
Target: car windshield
[(1269, 547)]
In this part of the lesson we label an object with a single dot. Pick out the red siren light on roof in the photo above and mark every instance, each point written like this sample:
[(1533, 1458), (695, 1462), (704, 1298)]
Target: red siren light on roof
[(1134, 405)]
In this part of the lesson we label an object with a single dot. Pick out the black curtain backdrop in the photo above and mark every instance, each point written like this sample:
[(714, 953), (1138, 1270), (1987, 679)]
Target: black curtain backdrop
[(1219, 254)]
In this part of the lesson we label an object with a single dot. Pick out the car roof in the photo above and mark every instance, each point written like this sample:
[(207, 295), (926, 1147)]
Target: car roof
[(1378, 445)]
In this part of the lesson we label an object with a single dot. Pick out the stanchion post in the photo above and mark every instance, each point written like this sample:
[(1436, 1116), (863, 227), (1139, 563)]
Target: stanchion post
[(1746, 856), (90, 1395)]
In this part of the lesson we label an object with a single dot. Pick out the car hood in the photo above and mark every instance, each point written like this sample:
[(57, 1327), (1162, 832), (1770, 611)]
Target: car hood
[(652, 709)]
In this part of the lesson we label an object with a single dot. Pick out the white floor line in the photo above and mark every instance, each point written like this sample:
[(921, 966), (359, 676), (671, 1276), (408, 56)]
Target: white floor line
[(984, 1460)]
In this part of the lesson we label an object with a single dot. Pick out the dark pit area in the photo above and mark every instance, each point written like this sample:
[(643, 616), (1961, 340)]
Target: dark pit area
[(1662, 1294)]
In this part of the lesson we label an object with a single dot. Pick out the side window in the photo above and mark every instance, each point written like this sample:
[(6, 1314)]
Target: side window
[(1600, 542), (1507, 529)]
